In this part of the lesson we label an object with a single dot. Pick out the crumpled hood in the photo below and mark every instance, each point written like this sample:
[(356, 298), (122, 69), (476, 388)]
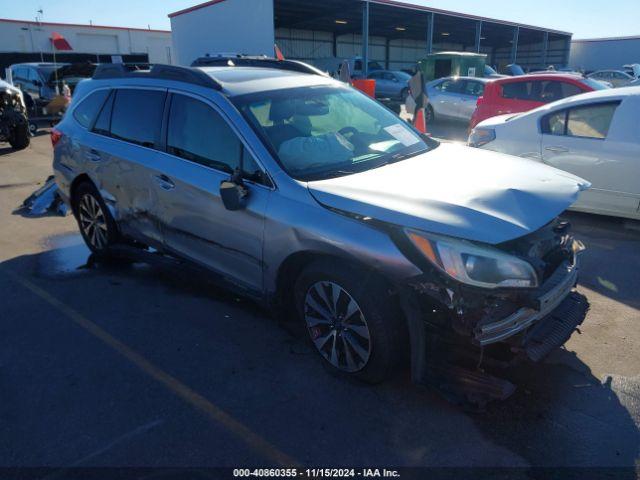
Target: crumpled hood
[(458, 191)]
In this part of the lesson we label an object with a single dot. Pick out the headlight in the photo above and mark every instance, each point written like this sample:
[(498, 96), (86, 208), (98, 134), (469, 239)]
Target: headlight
[(481, 136), (474, 265)]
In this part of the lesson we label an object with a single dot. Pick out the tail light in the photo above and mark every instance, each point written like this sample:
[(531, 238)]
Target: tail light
[(56, 135)]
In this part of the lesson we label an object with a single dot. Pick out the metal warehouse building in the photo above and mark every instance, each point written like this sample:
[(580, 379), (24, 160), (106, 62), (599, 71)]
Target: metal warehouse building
[(395, 34), (31, 41), (604, 53)]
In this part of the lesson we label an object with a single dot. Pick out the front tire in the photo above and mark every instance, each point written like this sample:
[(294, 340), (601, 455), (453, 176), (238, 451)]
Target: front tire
[(430, 115), (351, 320), (97, 226)]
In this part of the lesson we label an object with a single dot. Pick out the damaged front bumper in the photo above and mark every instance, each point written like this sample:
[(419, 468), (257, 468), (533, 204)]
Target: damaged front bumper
[(555, 290), (450, 361)]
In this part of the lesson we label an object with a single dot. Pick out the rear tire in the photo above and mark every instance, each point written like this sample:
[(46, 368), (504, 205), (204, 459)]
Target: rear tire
[(20, 138), (97, 226), (351, 319)]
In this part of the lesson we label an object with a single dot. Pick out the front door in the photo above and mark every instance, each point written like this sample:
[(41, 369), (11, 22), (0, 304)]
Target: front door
[(203, 150)]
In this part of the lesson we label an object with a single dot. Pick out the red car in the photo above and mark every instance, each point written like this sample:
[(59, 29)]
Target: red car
[(526, 92)]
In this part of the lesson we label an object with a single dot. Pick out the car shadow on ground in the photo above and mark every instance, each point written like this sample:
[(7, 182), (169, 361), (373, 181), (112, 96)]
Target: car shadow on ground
[(611, 263), (561, 415)]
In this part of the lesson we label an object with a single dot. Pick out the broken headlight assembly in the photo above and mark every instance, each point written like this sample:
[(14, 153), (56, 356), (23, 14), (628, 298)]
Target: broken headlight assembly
[(472, 264)]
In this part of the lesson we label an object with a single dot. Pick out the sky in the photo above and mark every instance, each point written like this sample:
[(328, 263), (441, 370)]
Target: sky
[(584, 18)]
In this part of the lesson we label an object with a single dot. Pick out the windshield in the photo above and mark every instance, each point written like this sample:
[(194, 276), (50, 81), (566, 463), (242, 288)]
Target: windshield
[(328, 131), (595, 84)]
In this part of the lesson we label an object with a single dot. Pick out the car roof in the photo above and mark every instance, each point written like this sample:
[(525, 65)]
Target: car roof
[(607, 94), (477, 79), (540, 76), (40, 64), (245, 80)]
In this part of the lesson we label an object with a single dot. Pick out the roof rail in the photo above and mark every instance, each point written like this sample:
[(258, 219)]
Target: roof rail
[(165, 72), (241, 60)]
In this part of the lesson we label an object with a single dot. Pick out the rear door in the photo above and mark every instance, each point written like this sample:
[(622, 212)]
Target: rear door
[(202, 150), (591, 141), (448, 99), (124, 156)]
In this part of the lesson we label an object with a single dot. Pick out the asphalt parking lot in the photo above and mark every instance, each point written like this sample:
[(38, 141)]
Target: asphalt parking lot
[(115, 365)]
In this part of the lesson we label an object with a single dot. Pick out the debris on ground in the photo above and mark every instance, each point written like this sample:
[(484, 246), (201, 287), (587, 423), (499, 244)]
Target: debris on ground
[(45, 200)]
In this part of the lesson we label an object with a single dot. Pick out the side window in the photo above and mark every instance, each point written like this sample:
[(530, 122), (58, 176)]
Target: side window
[(89, 107), (555, 123), (475, 89), (517, 90), (388, 76), (196, 132), (103, 122), (137, 116), (592, 121), (450, 86), (569, 90)]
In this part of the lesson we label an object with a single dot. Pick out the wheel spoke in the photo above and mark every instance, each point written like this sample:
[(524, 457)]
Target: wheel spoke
[(334, 350), (351, 364), (361, 330), (353, 343), (335, 296), (322, 341), (352, 309), (319, 288), (323, 312)]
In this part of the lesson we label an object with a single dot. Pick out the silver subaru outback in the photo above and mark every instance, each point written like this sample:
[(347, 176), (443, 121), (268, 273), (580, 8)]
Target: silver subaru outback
[(309, 196)]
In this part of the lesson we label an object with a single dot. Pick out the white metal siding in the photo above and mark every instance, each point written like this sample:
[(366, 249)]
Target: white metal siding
[(604, 54), (98, 43), (238, 26)]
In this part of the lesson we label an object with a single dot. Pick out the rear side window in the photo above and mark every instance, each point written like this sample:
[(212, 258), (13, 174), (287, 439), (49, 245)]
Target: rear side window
[(88, 109), (450, 86), (196, 132), (137, 116), (103, 122), (517, 90), (475, 89), (589, 121)]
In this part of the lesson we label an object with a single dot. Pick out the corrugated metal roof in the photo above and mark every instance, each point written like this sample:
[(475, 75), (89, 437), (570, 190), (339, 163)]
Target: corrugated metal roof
[(404, 5)]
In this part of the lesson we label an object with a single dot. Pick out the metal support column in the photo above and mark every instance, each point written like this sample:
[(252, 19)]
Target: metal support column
[(514, 47), (386, 54), (478, 35), (365, 38), (430, 33), (335, 45), (545, 49)]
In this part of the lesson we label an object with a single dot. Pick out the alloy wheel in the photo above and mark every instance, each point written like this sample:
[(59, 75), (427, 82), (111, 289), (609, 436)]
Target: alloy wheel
[(93, 222), (337, 326)]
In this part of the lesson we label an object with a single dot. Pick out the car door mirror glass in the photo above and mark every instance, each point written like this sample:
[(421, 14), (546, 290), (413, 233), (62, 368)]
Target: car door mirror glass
[(234, 194)]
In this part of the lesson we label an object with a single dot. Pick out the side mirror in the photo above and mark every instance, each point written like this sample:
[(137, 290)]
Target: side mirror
[(234, 195)]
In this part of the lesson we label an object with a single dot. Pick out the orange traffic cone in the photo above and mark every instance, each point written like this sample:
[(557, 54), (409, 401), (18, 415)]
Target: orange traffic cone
[(279, 55), (419, 120)]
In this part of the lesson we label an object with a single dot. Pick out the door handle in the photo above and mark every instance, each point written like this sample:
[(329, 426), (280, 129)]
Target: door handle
[(557, 149), (164, 182), (93, 156)]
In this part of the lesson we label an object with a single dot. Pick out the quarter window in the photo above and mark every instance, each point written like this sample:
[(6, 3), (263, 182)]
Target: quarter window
[(89, 108), (137, 116), (103, 122), (199, 134)]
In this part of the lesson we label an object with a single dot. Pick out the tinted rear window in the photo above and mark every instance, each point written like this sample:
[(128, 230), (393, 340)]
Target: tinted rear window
[(89, 107), (137, 116), (543, 91)]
